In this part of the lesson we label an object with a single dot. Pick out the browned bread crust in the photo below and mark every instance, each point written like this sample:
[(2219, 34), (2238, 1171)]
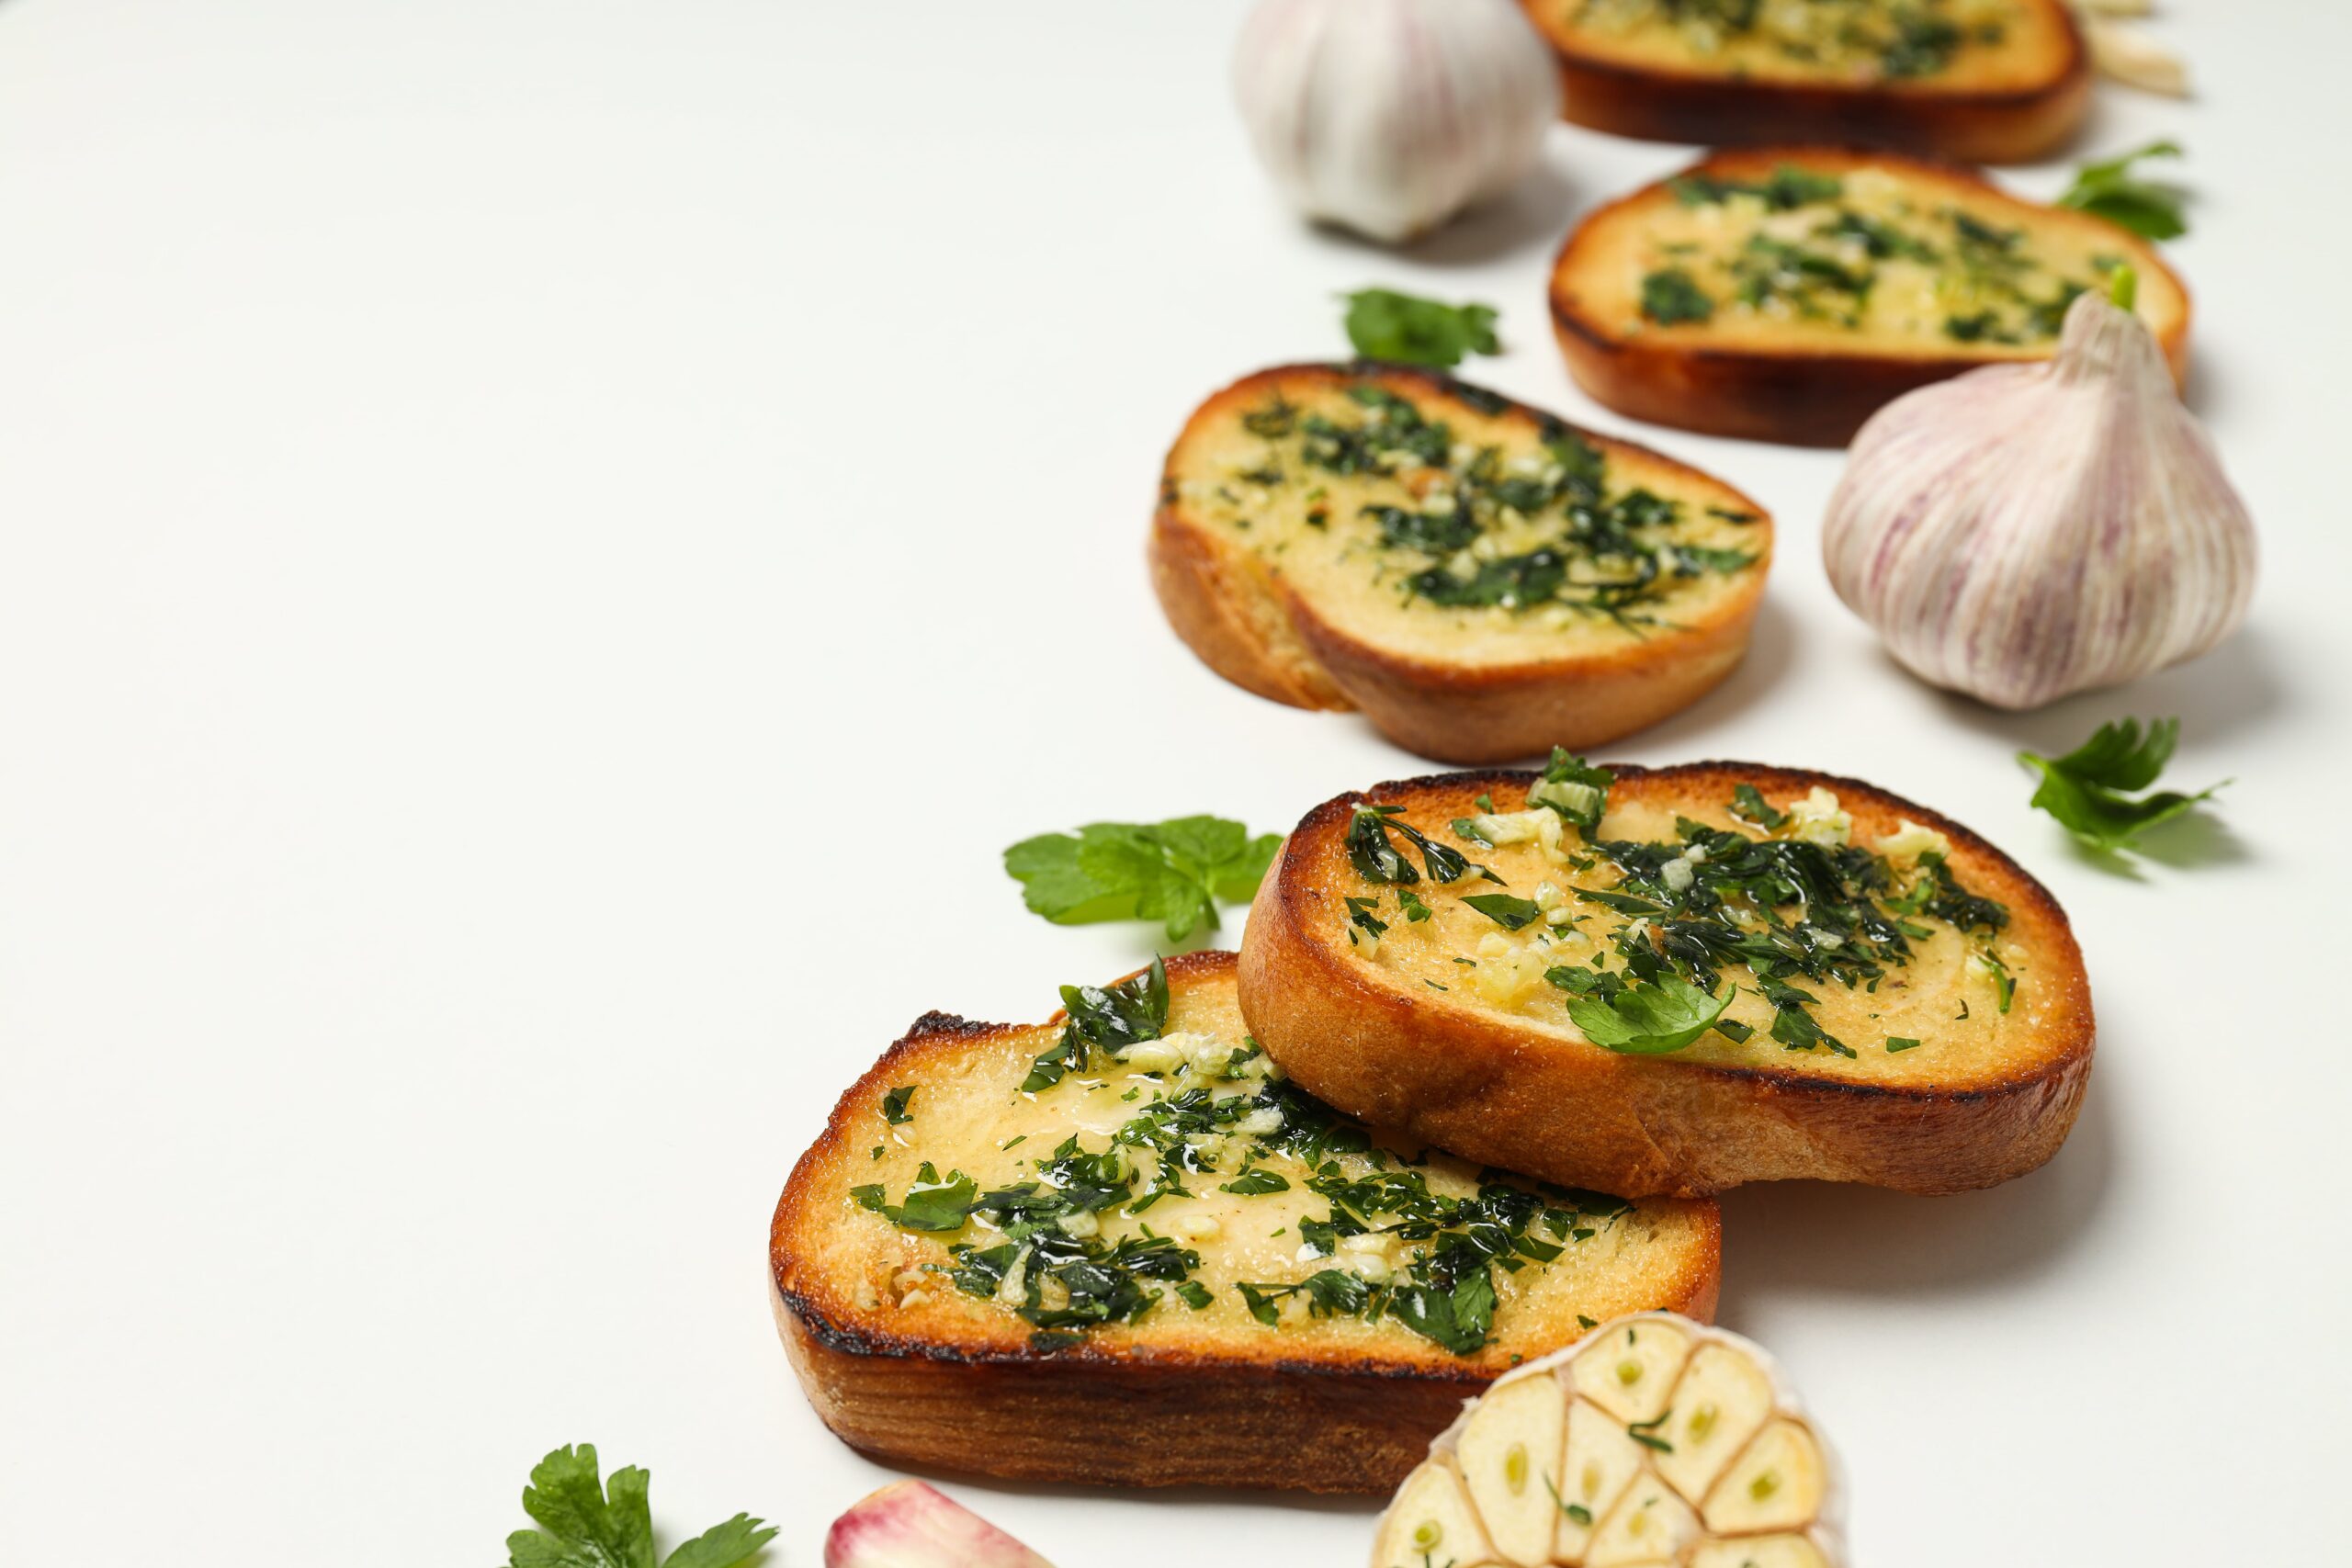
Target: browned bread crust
[(1800, 393), (1254, 626), (1518, 1090), (2030, 114), (1172, 1400)]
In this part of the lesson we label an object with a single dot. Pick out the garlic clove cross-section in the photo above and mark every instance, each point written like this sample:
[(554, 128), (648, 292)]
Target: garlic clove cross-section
[(1653, 1442), (2028, 531)]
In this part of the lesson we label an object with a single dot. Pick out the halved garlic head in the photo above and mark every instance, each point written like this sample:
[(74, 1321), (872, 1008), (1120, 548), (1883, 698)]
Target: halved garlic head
[(1653, 1442)]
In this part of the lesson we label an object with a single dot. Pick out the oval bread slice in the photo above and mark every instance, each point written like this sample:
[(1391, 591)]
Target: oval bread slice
[(1979, 80), (1786, 293), (1918, 1020), (1482, 580), (1282, 1329), (1654, 1440)]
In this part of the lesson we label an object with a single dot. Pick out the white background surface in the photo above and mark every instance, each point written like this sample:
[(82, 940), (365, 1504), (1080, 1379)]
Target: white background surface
[(545, 545)]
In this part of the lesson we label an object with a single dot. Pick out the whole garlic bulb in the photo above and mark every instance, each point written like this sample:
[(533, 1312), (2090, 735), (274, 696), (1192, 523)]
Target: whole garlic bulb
[(2027, 531), (1391, 116)]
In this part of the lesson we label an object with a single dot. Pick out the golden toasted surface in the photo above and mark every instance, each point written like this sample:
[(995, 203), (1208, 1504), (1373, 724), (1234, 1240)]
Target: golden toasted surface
[(1978, 1001), (1413, 514), (1245, 1212), (1808, 252), (1916, 47), (1816, 978)]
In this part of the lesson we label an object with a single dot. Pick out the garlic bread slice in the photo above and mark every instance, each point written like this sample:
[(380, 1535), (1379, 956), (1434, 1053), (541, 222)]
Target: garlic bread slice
[(1120, 1247), (1980, 81), (1483, 581), (1673, 980), (1786, 293), (1625, 1502)]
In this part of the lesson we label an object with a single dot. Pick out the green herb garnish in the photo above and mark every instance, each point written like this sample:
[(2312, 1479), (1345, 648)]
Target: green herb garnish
[(1174, 871), (1649, 1018), (1407, 330), (895, 1103), (1506, 911), (585, 1522), (2088, 790), (2152, 208), (1671, 295)]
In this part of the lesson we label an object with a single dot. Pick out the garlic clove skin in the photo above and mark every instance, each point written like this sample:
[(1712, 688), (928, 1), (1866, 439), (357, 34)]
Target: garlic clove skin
[(2024, 532), (1389, 116), (909, 1525)]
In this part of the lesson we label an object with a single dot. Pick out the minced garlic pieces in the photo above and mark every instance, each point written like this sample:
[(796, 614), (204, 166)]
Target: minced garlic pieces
[(1817, 818), (1652, 1443), (1910, 841)]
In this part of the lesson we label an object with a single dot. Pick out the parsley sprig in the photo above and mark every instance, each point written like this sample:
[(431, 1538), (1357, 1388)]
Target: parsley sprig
[(1407, 330), (1174, 871), (587, 1523), (2151, 209), (2088, 790)]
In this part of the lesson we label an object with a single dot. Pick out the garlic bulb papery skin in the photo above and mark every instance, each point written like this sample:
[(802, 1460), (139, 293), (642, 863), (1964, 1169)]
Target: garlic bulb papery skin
[(1388, 116), (2027, 531)]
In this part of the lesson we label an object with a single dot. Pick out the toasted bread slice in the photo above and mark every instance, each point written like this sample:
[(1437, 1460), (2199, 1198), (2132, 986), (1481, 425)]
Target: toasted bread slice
[(1309, 1378), (1482, 580), (1651, 1442), (1982, 81), (1910, 1010), (1786, 293)]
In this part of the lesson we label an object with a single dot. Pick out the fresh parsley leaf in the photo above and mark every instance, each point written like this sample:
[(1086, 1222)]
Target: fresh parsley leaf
[(1126, 1014), (1384, 324), (587, 1523), (895, 1103), (1372, 853), (2151, 209), (1174, 871), (1506, 911), (1649, 1018), (1250, 1183), (1895, 1042), (2087, 789)]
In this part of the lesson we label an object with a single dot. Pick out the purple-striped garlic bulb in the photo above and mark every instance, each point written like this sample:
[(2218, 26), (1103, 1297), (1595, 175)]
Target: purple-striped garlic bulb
[(2027, 531)]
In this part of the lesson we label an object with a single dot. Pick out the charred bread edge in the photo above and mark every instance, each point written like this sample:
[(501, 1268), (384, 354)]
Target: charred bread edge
[(2061, 1081), (1805, 396), (1396, 1406), (1437, 673), (1670, 104)]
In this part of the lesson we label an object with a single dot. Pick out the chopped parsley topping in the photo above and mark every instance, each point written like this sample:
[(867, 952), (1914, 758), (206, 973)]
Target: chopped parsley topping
[(1848, 40), (1467, 524), (1380, 1242), (1788, 914), (895, 1104), (1995, 288)]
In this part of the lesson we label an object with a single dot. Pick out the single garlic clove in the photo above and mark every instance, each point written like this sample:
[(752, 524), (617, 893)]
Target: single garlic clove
[(1760, 1552), (1510, 1456), (909, 1525), (1650, 1524), (1630, 1373), (2126, 54), (1775, 1484), (2028, 531), (1431, 1519), (1723, 1400), (1602, 1463), (1388, 116)]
